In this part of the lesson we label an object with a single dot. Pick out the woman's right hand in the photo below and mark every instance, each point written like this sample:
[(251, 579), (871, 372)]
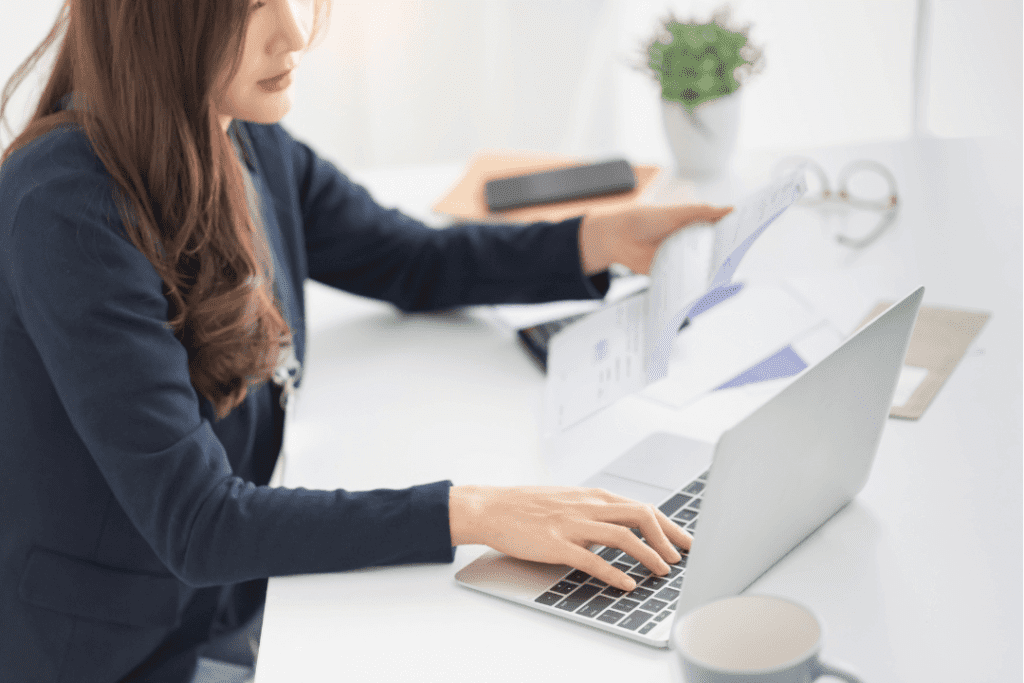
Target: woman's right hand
[(558, 525)]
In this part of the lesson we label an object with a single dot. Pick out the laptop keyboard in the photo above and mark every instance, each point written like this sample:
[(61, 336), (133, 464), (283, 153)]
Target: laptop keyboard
[(654, 598)]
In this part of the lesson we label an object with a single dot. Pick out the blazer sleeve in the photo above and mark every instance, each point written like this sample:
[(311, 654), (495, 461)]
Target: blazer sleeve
[(354, 244), (94, 308)]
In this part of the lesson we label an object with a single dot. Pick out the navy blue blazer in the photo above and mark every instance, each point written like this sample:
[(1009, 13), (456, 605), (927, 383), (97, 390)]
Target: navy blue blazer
[(122, 499)]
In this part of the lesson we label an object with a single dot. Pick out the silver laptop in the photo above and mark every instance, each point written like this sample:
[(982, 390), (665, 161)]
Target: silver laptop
[(768, 483)]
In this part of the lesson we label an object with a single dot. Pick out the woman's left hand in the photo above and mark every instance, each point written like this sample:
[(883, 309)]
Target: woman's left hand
[(631, 236)]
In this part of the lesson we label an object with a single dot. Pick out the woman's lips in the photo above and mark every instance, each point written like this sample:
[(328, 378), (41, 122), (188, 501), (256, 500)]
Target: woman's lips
[(277, 83)]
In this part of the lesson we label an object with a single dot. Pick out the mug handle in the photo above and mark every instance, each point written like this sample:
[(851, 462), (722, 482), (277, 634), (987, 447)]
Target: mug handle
[(823, 669)]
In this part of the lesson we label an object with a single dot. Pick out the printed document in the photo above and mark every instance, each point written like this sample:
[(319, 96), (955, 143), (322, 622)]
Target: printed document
[(625, 346)]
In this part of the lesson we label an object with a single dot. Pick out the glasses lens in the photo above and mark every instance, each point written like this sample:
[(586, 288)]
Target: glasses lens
[(868, 187)]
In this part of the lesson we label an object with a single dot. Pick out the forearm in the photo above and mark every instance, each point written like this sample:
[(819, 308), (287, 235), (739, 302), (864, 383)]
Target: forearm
[(463, 510), (257, 532), (595, 253)]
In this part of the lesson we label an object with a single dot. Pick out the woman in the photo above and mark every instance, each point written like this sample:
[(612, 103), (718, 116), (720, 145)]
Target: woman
[(156, 226)]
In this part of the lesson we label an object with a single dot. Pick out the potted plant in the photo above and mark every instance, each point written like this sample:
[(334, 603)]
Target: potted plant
[(701, 67)]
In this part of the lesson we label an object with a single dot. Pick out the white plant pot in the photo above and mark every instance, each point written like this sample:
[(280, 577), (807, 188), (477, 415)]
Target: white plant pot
[(702, 150)]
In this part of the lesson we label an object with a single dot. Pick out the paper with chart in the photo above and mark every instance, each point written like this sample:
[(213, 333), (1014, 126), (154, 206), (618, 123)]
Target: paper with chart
[(672, 294), (600, 361), (622, 348)]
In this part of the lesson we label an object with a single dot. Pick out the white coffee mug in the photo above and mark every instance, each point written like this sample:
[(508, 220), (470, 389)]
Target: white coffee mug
[(750, 638)]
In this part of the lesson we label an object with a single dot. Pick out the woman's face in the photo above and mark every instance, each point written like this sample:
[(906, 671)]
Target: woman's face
[(277, 35)]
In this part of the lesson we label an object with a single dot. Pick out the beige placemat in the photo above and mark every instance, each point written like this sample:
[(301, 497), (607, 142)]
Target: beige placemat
[(466, 201), (938, 342)]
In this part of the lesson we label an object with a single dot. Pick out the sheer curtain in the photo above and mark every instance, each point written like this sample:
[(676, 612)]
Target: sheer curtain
[(405, 82)]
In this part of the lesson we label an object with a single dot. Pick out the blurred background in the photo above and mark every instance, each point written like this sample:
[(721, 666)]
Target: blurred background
[(409, 82)]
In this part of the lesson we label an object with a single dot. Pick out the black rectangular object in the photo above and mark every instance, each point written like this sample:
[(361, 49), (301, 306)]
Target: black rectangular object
[(578, 576), (578, 597), (685, 515), (640, 593), (610, 616), (595, 606), (667, 594), (563, 184), (674, 503), (654, 582), (548, 598), (634, 620), (695, 487)]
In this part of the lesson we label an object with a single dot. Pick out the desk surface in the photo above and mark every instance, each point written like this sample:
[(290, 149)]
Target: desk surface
[(918, 579)]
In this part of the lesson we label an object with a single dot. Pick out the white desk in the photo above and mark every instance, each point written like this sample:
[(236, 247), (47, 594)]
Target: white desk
[(918, 579)]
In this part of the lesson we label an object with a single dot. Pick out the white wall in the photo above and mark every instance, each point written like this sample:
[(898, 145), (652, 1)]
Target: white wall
[(429, 81), (975, 63), (24, 27)]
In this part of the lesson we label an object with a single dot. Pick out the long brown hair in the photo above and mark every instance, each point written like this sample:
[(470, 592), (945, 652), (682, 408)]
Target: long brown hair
[(144, 76)]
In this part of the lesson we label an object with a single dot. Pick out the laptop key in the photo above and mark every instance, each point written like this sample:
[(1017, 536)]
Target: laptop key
[(626, 605), (676, 582), (664, 615), (654, 582), (614, 592), (674, 503), (639, 593), (685, 515), (667, 594), (695, 503), (673, 571), (647, 627), (609, 554), (695, 487), (635, 620), (577, 576), (622, 567), (549, 598), (578, 597), (654, 605), (610, 616), (595, 606), (563, 587)]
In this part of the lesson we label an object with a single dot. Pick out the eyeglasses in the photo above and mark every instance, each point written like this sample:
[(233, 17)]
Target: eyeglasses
[(845, 198)]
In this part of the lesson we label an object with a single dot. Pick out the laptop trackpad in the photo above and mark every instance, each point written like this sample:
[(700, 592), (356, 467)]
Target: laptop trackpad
[(655, 467)]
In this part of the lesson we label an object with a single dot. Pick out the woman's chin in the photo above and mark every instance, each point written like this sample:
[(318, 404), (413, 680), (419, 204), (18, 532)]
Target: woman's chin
[(267, 116)]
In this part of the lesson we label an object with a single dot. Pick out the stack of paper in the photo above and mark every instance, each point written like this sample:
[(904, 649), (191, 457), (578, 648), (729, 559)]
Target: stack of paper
[(624, 347)]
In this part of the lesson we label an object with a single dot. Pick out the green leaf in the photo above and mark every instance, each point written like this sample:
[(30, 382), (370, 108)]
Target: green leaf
[(675, 84), (698, 63)]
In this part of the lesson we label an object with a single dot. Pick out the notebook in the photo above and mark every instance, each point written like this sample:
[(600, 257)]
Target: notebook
[(768, 483)]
